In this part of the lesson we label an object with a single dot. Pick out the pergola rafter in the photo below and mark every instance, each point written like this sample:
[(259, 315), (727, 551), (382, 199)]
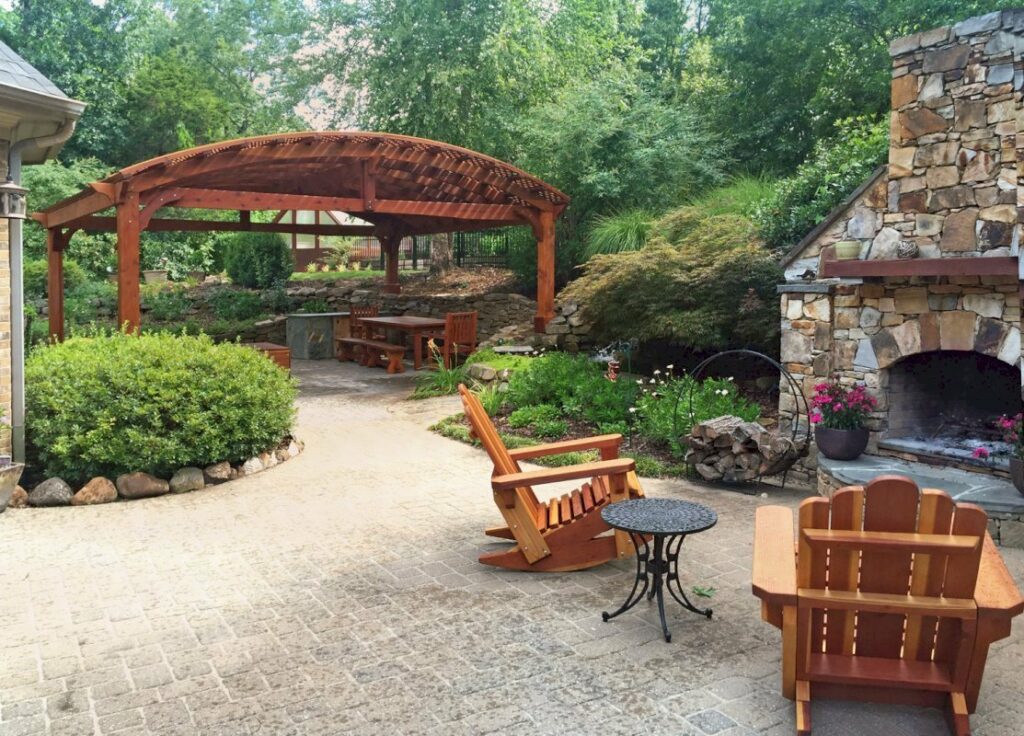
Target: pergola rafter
[(401, 185)]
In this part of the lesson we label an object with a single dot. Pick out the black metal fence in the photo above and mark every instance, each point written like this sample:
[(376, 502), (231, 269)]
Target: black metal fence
[(483, 248)]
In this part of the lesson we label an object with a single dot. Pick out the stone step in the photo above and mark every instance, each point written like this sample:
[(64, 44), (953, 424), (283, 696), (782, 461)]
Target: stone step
[(1003, 503)]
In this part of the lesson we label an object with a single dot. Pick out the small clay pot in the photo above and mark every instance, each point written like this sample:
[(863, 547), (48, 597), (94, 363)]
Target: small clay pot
[(841, 444), (847, 250)]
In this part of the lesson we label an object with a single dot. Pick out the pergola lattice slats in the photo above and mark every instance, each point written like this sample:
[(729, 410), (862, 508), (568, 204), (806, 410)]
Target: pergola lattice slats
[(401, 185)]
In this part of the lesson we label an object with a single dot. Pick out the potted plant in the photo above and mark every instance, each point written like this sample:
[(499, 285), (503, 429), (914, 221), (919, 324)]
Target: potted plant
[(838, 415), (1013, 435), (10, 473), (847, 250)]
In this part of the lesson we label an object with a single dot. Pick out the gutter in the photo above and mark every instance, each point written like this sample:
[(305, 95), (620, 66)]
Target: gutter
[(17, 287)]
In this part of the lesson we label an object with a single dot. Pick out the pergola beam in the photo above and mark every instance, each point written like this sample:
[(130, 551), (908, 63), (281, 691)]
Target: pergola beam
[(221, 199), (109, 225), (129, 312)]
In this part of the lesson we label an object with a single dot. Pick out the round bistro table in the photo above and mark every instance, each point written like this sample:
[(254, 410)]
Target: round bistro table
[(668, 521)]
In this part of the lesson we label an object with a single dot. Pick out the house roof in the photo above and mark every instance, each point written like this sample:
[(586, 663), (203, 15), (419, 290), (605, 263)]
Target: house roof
[(18, 73)]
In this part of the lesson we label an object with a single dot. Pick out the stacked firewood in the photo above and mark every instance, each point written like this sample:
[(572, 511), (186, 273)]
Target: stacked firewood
[(731, 449)]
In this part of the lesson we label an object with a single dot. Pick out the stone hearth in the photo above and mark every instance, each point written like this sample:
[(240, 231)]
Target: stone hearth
[(1005, 506)]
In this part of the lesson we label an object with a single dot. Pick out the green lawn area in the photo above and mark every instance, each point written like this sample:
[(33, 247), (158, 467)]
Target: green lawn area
[(335, 275)]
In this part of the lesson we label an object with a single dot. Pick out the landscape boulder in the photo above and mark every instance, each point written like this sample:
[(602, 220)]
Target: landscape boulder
[(217, 473), (141, 485), (51, 492), (187, 479), (97, 490)]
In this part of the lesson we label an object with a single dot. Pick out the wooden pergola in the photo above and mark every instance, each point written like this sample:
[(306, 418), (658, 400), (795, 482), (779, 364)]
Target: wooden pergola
[(400, 185)]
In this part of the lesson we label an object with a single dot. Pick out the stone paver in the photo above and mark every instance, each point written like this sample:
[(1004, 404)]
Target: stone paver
[(340, 594)]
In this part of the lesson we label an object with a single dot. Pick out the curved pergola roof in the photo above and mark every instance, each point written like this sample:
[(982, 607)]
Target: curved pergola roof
[(399, 184), (332, 170)]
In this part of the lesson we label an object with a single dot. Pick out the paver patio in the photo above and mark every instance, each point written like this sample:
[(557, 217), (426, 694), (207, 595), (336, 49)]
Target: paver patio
[(340, 593)]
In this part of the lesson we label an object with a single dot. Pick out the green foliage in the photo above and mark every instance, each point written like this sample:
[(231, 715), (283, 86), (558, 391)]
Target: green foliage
[(48, 184), (439, 381), (259, 260), (772, 76), (169, 305), (491, 399), (613, 145), (575, 385), (829, 175), (704, 282), (236, 304), (85, 304), (620, 232), (667, 403), (277, 300), (525, 416), (315, 306), (336, 275), (114, 403), (36, 271), (498, 362), (339, 253)]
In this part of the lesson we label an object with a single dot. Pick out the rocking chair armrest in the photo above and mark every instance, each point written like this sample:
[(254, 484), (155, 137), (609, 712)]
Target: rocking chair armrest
[(603, 442), (569, 472), (774, 569)]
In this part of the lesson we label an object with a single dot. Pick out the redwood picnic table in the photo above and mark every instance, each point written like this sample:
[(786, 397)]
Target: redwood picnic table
[(415, 326)]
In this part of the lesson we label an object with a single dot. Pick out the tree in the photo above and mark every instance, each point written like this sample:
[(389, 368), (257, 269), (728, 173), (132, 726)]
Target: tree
[(777, 74), (460, 71), (613, 145), (90, 51)]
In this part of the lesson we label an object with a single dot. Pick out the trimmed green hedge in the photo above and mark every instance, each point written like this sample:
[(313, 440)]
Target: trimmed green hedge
[(116, 403), (258, 260)]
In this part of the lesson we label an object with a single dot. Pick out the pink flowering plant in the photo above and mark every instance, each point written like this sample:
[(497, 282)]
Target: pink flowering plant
[(836, 407), (1013, 433)]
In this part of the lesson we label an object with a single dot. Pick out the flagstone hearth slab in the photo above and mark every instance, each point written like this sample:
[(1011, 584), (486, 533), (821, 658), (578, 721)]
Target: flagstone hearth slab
[(997, 496)]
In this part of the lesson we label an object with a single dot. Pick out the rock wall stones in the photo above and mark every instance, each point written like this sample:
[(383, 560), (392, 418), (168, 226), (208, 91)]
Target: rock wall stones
[(956, 97)]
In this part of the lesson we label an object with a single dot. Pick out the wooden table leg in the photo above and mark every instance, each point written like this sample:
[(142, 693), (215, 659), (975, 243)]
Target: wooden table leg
[(417, 350)]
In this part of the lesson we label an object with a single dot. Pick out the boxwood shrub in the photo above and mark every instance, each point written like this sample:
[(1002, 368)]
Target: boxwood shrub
[(116, 403)]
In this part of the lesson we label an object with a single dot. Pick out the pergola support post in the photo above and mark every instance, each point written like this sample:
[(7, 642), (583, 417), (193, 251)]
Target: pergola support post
[(544, 231), (389, 245), (129, 315), (55, 282)]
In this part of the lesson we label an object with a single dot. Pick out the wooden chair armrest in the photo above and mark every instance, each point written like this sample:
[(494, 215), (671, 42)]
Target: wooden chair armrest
[(996, 592), (608, 444), (774, 569), (569, 472)]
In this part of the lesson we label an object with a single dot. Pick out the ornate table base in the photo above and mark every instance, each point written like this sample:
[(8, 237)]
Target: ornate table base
[(657, 569)]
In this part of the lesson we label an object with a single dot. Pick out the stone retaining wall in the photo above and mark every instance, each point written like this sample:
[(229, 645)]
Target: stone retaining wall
[(495, 312)]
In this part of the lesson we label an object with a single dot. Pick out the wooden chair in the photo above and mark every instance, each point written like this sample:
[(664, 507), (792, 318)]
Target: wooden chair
[(356, 327), (892, 594), (567, 532), (458, 338)]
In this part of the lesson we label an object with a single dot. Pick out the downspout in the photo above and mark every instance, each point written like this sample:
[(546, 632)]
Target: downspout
[(18, 290)]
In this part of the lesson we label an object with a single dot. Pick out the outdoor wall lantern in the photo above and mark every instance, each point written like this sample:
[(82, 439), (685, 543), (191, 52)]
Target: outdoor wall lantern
[(13, 202)]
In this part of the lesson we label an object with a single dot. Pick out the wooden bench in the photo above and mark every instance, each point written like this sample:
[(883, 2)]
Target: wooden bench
[(280, 354), (368, 352)]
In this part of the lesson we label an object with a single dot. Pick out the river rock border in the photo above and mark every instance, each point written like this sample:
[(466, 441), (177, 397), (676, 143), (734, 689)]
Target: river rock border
[(129, 486)]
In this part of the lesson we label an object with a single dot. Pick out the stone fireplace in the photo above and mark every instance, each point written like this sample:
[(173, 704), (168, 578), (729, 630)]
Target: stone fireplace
[(935, 337)]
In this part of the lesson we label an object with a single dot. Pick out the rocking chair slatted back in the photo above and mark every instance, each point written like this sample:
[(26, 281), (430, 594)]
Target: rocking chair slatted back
[(567, 532), (895, 562)]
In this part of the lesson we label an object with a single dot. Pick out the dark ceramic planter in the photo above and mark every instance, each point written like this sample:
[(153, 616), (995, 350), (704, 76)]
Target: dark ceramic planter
[(1017, 474), (841, 444)]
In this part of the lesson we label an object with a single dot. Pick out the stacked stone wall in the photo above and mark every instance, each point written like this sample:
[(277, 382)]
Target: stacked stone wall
[(956, 95)]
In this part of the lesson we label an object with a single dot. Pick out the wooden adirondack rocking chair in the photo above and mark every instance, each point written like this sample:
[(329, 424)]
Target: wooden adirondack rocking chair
[(566, 533), (893, 595)]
